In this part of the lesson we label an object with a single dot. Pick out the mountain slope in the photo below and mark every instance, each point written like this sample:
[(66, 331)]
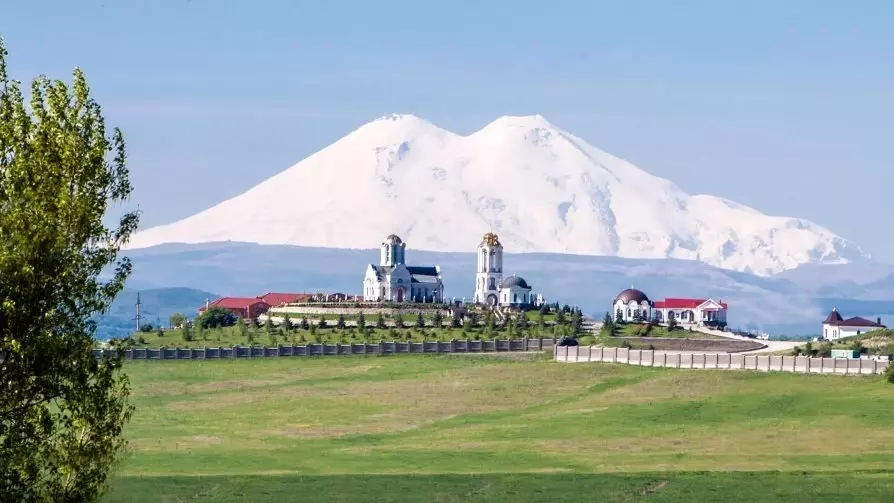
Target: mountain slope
[(540, 188)]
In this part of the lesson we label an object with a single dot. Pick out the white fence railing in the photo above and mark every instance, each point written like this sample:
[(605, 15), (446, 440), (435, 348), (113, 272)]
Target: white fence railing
[(721, 361)]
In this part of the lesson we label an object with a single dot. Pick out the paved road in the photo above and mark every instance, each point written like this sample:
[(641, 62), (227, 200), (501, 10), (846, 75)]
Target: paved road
[(772, 346)]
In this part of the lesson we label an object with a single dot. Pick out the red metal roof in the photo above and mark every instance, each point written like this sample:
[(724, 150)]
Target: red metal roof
[(236, 302), (278, 299), (674, 303)]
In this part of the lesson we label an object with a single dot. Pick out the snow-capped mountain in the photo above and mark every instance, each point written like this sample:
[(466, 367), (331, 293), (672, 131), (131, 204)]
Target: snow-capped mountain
[(539, 187)]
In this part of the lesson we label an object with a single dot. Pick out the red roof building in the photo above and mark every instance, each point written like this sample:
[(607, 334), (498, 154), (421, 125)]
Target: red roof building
[(274, 299), (243, 307), (695, 311)]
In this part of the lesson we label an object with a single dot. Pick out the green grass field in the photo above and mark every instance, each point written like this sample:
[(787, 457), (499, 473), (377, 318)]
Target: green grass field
[(473, 428)]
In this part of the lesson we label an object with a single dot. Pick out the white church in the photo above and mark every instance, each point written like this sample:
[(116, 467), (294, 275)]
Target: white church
[(490, 286), (394, 281)]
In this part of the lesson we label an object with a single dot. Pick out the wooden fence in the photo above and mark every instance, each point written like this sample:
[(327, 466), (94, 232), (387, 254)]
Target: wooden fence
[(381, 348), (722, 361)]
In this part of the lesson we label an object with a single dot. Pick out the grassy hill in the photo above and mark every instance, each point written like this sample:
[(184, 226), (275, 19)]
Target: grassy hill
[(466, 428)]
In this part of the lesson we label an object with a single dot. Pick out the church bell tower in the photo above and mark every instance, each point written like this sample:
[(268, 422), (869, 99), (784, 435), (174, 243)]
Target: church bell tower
[(392, 251), (489, 272)]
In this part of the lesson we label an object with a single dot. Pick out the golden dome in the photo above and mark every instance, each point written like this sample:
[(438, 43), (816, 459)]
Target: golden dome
[(490, 239)]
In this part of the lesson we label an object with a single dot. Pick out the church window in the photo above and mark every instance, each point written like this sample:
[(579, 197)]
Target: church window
[(515, 298)]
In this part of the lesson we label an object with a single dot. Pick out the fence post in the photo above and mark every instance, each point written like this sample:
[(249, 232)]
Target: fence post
[(540, 343), (577, 353), (381, 346)]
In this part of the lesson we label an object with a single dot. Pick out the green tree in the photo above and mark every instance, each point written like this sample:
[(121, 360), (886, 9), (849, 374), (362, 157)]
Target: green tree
[(438, 319), (146, 327), (472, 319), (671, 321), (304, 325), (361, 321), (420, 321), (61, 409), (186, 332), (576, 322), (287, 322), (889, 373), (398, 320), (637, 317), (340, 322), (216, 317), (560, 317), (200, 331), (242, 330), (176, 320), (490, 323), (268, 324), (380, 320), (619, 317), (521, 323)]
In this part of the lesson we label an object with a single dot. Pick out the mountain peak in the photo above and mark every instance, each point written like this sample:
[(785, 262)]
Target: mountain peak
[(538, 186), (521, 121), (396, 128)]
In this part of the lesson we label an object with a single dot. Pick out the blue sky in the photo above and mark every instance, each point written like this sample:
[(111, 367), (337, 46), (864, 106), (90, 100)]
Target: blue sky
[(785, 106)]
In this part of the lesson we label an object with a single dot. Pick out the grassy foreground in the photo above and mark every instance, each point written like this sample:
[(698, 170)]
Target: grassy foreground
[(471, 428)]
